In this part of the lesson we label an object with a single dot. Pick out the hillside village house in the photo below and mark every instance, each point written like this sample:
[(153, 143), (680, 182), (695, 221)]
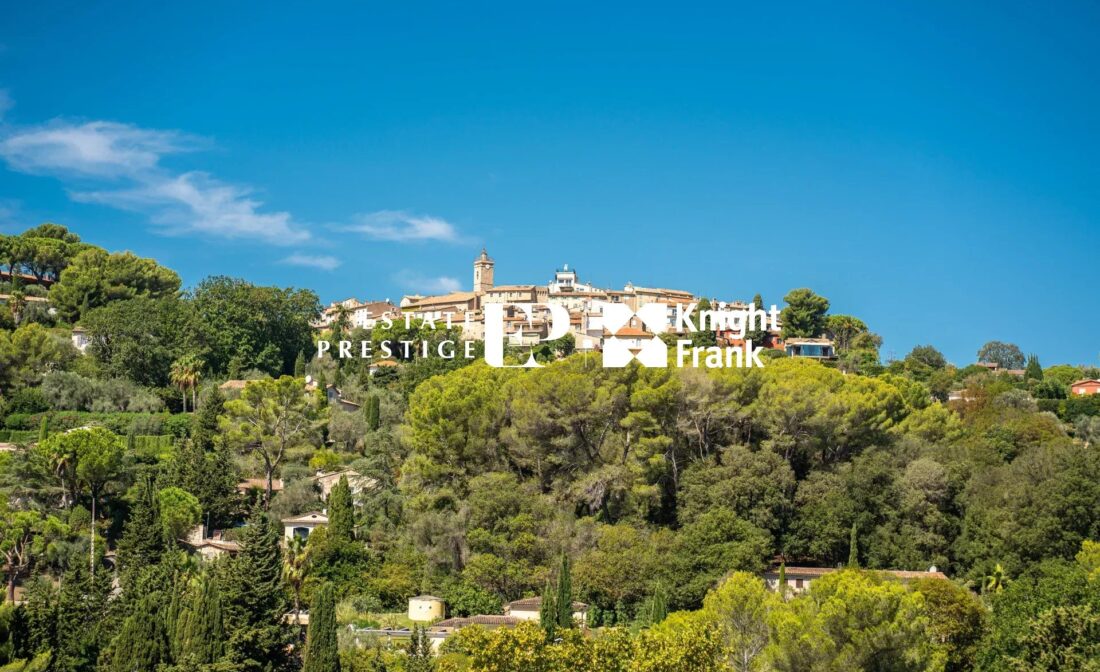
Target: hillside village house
[(528, 609), (813, 348), (1083, 387), (800, 578), (209, 548), (302, 526), (360, 314), (357, 483)]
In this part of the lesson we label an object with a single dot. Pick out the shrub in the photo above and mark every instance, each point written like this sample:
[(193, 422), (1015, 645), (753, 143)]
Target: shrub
[(28, 400)]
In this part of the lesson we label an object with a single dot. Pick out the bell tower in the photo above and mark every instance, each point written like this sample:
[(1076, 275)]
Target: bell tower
[(483, 273)]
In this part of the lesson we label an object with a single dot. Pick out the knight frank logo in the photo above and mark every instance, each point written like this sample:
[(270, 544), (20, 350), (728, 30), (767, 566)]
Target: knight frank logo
[(651, 351)]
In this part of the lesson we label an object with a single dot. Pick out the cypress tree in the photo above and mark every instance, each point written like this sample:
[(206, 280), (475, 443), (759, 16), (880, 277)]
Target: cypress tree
[(853, 549), (142, 643), (1034, 371), (419, 651), (564, 598), (374, 417), (82, 604), (658, 604), (44, 428), (548, 613), (300, 365), (622, 616), (200, 633), (142, 543), (782, 582), (205, 425), (41, 608), (321, 653), (341, 513), (253, 600)]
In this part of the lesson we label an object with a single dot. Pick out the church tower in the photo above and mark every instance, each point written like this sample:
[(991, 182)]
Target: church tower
[(483, 273)]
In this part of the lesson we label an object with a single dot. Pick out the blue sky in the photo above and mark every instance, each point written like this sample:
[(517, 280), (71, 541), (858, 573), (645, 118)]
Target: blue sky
[(929, 167)]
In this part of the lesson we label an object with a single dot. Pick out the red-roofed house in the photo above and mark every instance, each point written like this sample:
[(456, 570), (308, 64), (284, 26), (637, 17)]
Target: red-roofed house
[(1083, 387)]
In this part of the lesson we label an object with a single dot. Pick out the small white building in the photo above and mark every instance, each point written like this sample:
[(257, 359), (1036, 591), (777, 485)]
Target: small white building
[(426, 608), (302, 526)]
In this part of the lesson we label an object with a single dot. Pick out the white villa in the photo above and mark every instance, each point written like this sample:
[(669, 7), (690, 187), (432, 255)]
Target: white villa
[(302, 526)]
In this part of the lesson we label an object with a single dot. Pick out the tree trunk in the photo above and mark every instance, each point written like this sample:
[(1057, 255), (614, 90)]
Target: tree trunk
[(12, 576), (91, 553)]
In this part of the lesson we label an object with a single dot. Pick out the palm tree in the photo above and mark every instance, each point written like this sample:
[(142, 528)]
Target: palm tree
[(295, 568), (185, 375)]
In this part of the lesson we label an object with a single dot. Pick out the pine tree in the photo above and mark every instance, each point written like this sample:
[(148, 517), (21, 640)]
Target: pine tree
[(564, 598), (253, 598), (300, 365), (321, 653), (200, 632), (341, 512), (141, 643), (374, 418), (853, 549)]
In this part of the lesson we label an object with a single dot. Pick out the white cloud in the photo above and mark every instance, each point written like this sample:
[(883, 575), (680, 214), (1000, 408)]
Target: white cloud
[(400, 226), (121, 162), (120, 166), (196, 203), (428, 285), (6, 103), (321, 262), (103, 149)]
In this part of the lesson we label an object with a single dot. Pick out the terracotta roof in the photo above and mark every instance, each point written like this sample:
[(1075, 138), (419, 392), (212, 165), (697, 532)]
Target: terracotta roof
[(260, 483), (442, 300), (535, 603), (481, 619), (632, 331), (822, 571), (233, 384), (1085, 381), (384, 362)]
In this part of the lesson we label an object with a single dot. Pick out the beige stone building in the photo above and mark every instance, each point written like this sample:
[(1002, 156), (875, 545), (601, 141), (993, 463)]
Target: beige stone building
[(426, 608)]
